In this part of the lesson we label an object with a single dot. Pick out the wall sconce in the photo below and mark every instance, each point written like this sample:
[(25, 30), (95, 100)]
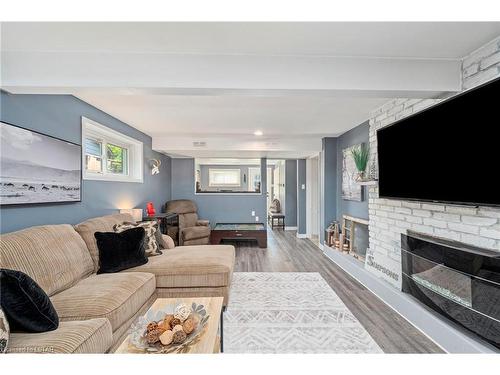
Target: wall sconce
[(155, 166), (135, 212)]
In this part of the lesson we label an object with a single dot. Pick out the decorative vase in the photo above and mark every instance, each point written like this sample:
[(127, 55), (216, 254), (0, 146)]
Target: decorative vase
[(361, 176), (150, 209)]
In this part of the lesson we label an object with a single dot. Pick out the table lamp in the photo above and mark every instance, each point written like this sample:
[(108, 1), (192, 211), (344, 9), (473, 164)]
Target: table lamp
[(135, 212)]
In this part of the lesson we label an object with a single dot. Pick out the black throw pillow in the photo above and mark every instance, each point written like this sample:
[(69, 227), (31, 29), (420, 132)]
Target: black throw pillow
[(119, 251), (27, 307)]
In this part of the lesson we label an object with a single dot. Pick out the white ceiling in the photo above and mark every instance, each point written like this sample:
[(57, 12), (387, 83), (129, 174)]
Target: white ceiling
[(201, 116), (206, 108), (380, 39)]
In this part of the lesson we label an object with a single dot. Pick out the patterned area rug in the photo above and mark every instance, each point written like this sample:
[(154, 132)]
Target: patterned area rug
[(290, 312)]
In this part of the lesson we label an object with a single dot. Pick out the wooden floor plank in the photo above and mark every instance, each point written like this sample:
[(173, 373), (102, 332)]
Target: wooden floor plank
[(287, 253)]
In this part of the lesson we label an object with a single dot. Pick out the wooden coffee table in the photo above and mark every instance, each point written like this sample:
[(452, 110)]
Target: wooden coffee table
[(211, 340), (238, 231)]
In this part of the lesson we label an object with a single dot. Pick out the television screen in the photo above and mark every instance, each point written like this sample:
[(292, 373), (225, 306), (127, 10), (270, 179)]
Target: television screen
[(447, 153), (37, 168)]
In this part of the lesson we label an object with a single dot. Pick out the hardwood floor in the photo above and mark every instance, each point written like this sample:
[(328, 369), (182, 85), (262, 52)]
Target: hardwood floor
[(287, 253)]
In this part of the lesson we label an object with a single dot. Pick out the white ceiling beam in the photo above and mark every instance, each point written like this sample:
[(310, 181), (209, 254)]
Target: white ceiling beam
[(158, 73), (183, 145)]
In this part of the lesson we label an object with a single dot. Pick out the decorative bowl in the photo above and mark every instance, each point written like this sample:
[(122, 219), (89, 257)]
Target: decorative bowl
[(138, 330)]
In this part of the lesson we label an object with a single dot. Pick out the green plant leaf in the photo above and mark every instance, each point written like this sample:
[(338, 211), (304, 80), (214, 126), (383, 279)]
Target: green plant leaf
[(361, 155)]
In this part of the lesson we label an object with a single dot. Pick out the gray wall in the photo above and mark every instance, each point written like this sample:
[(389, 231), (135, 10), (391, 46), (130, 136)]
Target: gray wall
[(301, 196), (291, 193), (60, 116), (243, 180), (220, 208), (357, 209), (328, 188)]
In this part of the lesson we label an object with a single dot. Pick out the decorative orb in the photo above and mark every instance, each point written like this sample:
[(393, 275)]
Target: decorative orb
[(179, 337), (152, 326), (178, 327), (174, 322), (166, 337), (153, 336), (188, 326), (182, 312), (165, 323)]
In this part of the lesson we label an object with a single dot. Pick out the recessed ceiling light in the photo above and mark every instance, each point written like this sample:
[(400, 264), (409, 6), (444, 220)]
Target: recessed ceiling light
[(258, 132)]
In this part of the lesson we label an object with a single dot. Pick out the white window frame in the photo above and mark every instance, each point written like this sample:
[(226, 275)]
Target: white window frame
[(216, 170), (135, 157)]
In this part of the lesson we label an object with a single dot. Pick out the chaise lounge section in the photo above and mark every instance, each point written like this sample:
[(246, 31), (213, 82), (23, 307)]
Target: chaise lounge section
[(96, 311)]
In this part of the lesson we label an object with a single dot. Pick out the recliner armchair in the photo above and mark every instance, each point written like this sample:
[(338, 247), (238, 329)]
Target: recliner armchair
[(192, 231)]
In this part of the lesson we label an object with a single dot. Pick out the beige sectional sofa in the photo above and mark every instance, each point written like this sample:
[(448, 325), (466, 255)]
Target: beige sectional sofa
[(96, 311)]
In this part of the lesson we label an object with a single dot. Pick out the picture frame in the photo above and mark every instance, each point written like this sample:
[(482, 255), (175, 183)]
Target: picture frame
[(351, 189), (37, 168)]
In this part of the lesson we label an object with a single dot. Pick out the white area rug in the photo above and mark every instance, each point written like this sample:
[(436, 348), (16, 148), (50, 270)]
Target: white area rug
[(290, 312)]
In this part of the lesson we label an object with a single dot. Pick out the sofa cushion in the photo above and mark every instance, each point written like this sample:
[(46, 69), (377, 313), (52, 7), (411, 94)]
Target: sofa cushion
[(26, 305), (99, 224), (119, 251), (191, 266), (115, 296), (198, 241), (55, 256), (194, 233), (88, 336), (151, 244)]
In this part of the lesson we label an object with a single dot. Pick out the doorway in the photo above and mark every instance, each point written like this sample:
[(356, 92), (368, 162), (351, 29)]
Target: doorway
[(276, 182)]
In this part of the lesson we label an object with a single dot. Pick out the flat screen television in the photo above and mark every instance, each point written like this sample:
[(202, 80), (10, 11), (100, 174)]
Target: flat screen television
[(447, 153)]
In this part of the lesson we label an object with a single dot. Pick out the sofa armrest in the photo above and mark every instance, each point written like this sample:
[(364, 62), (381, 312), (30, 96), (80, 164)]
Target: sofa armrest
[(204, 223)]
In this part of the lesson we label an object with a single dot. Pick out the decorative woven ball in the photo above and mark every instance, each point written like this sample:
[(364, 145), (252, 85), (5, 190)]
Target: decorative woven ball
[(179, 337), (167, 320), (153, 336), (188, 325), (174, 322), (182, 312), (152, 326), (166, 337), (178, 327)]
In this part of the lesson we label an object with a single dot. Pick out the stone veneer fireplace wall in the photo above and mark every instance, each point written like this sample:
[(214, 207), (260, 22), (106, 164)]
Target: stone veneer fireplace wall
[(479, 226)]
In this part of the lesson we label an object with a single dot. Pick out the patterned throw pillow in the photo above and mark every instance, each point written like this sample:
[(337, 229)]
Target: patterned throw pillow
[(4, 332), (150, 227)]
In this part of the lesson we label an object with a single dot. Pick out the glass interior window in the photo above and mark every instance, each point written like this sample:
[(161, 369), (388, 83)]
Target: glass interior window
[(225, 175)]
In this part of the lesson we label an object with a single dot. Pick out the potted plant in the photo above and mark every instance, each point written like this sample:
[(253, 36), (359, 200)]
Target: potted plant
[(361, 155)]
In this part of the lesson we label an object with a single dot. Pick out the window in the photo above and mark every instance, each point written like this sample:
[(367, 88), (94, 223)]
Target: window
[(224, 177), (117, 159), (110, 155)]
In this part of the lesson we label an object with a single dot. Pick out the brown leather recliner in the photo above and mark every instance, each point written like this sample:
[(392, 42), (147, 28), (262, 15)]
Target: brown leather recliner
[(192, 231)]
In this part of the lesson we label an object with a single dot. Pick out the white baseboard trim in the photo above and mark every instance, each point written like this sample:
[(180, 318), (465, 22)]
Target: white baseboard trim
[(301, 235), (443, 332), (290, 228)]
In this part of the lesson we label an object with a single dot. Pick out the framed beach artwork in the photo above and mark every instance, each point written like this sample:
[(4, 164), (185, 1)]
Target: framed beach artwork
[(351, 190), (37, 168)]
